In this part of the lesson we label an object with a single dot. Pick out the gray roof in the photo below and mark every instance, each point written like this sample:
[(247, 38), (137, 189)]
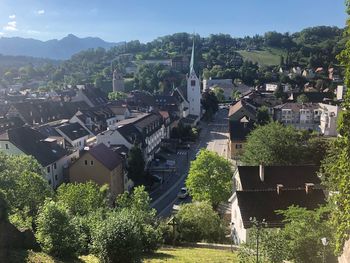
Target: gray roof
[(106, 156), (73, 131)]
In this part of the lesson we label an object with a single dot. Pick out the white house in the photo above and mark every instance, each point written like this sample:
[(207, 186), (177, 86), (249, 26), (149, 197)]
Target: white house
[(52, 157), (75, 134)]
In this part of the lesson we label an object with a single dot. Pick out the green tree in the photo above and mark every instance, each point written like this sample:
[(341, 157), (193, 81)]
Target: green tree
[(116, 95), (210, 104), (55, 233), (199, 222), (336, 167), (302, 98), (219, 93), (82, 198), (262, 115), (136, 164), (273, 144), (117, 238), (209, 178)]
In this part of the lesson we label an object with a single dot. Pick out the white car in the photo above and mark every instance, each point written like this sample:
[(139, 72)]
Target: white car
[(183, 193)]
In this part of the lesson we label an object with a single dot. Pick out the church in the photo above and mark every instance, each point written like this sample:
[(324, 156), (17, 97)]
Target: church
[(193, 89)]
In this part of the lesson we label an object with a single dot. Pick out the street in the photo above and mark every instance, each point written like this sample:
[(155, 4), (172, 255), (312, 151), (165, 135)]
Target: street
[(214, 137)]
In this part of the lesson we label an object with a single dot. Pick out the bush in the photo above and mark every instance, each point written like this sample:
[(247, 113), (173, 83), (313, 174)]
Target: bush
[(56, 234), (199, 222), (117, 238)]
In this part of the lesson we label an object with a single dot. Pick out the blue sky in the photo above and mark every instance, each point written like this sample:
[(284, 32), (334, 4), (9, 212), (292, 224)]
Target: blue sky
[(115, 20)]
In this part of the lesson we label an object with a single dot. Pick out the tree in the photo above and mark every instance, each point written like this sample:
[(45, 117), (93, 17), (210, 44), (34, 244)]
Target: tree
[(82, 198), (235, 94), (136, 164), (273, 144), (336, 167), (55, 233), (219, 93), (210, 104), (209, 178), (302, 98), (117, 238), (199, 222), (263, 116), (116, 95)]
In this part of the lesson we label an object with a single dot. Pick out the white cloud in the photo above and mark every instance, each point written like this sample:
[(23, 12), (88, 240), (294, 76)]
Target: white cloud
[(11, 26), (12, 16), (1, 34), (33, 32), (41, 12)]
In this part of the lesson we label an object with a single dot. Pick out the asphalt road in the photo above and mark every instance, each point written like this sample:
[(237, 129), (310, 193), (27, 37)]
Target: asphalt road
[(214, 137)]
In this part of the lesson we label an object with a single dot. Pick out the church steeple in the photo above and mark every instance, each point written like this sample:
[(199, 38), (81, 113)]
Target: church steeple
[(192, 60)]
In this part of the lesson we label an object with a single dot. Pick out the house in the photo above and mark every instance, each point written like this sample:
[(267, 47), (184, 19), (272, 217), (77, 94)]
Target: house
[(74, 134), (120, 110), (40, 112), (328, 120), (254, 178), (147, 129), (102, 166), (262, 206), (51, 156), (141, 101), (225, 84), (242, 118), (271, 87), (90, 95), (96, 119)]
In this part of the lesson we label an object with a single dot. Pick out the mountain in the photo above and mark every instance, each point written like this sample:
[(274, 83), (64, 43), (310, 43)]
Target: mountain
[(53, 49)]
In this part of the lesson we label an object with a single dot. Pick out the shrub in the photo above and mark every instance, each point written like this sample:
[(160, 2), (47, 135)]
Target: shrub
[(117, 238), (56, 233)]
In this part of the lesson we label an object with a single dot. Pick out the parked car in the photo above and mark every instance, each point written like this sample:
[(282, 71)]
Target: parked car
[(157, 178), (183, 193)]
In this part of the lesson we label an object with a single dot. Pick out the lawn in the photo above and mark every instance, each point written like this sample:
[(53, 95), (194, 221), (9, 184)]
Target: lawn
[(171, 255), (267, 57), (189, 255)]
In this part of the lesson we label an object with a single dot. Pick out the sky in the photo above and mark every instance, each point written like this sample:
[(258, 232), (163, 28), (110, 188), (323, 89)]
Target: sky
[(145, 20)]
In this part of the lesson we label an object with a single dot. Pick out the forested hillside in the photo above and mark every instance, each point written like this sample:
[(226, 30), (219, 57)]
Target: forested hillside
[(220, 55)]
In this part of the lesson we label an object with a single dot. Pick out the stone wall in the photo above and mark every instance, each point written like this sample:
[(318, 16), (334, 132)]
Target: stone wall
[(345, 257)]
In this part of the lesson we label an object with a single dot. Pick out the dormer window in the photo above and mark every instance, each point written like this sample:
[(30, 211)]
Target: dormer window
[(193, 83)]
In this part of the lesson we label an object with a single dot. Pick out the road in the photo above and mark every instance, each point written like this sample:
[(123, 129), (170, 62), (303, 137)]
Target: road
[(214, 137)]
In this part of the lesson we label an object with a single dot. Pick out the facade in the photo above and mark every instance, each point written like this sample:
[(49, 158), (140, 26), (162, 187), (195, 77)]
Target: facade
[(118, 81), (193, 89), (102, 166), (242, 117), (146, 130), (74, 134)]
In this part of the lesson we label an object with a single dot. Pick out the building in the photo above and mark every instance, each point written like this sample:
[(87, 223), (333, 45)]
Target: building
[(262, 206), (74, 134), (258, 191), (96, 119), (242, 118), (51, 156), (102, 166), (147, 130), (90, 95), (118, 81), (225, 84), (319, 117), (193, 90)]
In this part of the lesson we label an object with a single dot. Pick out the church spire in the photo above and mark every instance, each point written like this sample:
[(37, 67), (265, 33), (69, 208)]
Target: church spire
[(192, 59)]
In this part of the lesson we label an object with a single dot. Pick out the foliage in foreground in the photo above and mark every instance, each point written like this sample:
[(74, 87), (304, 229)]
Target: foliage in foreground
[(299, 240), (199, 222)]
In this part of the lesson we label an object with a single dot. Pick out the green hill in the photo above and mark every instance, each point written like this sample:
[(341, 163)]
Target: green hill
[(268, 57)]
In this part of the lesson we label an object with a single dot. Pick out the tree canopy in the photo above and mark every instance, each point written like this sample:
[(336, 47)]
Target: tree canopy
[(209, 178)]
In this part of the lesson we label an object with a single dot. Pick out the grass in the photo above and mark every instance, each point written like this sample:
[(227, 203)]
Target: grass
[(266, 57), (170, 255), (191, 255)]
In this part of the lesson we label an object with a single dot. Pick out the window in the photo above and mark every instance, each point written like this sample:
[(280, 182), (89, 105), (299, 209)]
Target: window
[(55, 166), (56, 177), (92, 162), (193, 83), (86, 162), (7, 146), (48, 169), (49, 182), (238, 146)]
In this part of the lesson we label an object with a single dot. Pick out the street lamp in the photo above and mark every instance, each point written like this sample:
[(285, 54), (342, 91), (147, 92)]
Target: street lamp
[(324, 243)]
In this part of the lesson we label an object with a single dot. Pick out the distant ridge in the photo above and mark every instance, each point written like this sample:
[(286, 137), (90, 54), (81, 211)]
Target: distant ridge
[(52, 49)]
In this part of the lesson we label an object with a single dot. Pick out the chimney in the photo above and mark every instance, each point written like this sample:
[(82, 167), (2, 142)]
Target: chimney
[(279, 188), (262, 172), (309, 187)]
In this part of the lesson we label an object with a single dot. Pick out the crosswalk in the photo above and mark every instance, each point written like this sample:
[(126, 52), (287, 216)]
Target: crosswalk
[(181, 152)]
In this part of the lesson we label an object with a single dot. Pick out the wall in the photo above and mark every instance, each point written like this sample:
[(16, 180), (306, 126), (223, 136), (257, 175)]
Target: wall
[(110, 137), (345, 257), (12, 149), (235, 152), (240, 232)]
